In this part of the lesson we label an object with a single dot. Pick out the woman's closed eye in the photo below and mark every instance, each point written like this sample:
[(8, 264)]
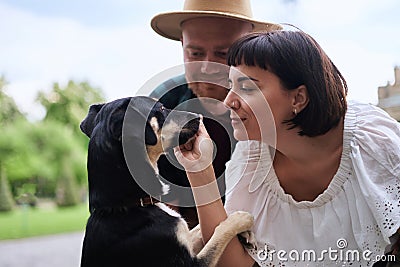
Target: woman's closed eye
[(247, 88)]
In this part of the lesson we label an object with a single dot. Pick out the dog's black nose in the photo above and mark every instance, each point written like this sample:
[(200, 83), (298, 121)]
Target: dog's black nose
[(193, 124), (189, 129)]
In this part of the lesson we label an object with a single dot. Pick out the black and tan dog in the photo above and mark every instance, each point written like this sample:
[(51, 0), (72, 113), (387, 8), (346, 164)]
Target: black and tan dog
[(126, 227)]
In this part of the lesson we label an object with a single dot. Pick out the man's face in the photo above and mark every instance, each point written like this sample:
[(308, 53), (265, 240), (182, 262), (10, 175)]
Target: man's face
[(206, 41)]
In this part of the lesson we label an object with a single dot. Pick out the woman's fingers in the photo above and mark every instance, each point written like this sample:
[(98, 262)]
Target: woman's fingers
[(202, 130)]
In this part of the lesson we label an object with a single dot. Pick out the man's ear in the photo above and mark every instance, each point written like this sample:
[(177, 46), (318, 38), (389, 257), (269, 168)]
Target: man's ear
[(88, 124), (299, 98)]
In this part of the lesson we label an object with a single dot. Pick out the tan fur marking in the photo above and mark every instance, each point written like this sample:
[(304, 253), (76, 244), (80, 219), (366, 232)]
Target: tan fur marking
[(154, 152), (168, 132), (164, 136)]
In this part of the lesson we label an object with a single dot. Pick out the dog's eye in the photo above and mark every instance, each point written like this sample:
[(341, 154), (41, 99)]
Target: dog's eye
[(163, 109)]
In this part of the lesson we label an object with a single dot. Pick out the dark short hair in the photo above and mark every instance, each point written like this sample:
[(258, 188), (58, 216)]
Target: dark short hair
[(297, 59)]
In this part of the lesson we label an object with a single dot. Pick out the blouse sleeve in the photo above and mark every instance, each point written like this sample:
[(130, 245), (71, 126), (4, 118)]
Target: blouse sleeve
[(375, 153)]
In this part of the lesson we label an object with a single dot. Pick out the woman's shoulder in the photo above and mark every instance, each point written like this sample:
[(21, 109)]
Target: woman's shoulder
[(368, 115), (374, 133), (375, 158)]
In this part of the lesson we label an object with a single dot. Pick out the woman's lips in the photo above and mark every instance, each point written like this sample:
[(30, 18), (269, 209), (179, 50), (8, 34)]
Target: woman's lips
[(237, 120)]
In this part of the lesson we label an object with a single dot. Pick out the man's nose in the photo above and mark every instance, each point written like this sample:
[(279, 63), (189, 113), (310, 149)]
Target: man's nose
[(209, 67)]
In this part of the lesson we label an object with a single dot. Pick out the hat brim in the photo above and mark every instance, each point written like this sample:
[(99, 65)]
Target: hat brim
[(169, 24)]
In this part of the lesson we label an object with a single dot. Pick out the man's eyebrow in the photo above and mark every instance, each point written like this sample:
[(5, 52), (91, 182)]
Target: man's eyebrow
[(224, 47), (246, 78), (193, 47)]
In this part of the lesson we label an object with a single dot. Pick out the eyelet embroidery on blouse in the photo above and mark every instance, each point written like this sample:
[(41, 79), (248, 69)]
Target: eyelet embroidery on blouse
[(373, 229), (394, 190), (389, 206)]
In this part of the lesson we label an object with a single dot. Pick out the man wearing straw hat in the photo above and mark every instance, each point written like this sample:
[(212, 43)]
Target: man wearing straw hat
[(206, 29)]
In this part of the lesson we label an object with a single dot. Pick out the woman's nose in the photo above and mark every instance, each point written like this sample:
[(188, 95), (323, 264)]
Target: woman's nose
[(231, 101)]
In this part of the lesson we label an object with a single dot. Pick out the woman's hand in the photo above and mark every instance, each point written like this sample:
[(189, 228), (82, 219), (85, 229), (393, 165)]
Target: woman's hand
[(197, 154)]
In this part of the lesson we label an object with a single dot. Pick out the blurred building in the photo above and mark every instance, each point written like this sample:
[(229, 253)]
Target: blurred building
[(389, 96)]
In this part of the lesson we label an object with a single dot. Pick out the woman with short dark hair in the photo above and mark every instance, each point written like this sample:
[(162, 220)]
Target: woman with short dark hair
[(320, 174)]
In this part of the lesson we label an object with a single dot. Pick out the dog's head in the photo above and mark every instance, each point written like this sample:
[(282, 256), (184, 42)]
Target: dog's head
[(127, 136)]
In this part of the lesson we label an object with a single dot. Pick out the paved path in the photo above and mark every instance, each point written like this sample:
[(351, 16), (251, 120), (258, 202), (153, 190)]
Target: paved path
[(62, 250)]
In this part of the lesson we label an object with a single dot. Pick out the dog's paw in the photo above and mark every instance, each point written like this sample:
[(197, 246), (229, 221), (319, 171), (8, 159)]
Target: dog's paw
[(239, 221), (248, 239), (196, 239)]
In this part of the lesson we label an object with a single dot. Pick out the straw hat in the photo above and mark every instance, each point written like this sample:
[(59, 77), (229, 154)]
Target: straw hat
[(169, 24)]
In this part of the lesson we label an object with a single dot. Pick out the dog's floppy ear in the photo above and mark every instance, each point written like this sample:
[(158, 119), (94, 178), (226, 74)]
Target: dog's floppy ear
[(150, 136), (136, 126), (88, 124)]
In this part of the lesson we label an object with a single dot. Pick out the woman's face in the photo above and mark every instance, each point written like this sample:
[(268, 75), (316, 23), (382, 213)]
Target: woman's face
[(259, 104)]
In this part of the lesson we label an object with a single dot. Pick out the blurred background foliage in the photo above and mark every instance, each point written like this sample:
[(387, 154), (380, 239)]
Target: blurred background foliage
[(45, 159)]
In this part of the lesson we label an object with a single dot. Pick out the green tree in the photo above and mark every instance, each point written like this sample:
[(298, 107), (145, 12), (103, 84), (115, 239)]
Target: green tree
[(9, 111), (67, 193), (34, 153), (66, 107), (50, 155), (6, 199), (69, 105)]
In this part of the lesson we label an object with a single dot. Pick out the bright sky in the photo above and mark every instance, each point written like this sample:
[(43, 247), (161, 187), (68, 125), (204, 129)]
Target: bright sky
[(110, 43)]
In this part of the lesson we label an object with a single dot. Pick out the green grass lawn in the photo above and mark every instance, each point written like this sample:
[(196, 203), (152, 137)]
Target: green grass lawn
[(27, 222)]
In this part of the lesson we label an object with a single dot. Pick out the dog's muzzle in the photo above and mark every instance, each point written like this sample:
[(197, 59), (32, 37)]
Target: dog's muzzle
[(189, 130)]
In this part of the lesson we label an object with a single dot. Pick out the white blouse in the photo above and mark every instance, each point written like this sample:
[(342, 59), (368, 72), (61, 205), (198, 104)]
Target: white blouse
[(352, 223)]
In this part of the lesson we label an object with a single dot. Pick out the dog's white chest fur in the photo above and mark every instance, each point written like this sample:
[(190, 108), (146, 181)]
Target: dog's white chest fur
[(182, 230), (168, 210)]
